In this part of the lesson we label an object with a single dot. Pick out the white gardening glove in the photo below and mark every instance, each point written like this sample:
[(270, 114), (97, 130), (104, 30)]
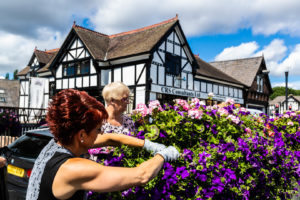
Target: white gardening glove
[(153, 146), (169, 154)]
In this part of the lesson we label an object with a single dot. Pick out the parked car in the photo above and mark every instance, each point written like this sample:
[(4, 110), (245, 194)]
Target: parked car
[(21, 155), (254, 111)]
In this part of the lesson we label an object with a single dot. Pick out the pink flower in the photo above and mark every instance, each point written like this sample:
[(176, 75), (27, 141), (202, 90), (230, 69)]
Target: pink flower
[(229, 101), (153, 105), (182, 103), (142, 108), (293, 114), (233, 118), (223, 111), (248, 130), (195, 113), (286, 116), (194, 101), (290, 123)]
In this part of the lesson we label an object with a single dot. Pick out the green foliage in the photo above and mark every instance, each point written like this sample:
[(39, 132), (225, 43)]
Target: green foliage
[(7, 76), (15, 77), (226, 153), (280, 91)]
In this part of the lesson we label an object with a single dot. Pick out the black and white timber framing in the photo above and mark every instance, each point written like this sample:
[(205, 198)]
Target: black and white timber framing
[(163, 70)]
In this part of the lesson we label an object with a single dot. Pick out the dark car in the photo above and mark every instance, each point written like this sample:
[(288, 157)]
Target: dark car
[(21, 155)]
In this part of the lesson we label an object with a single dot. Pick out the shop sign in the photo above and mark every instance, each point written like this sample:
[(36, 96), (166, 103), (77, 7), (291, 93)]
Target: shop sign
[(189, 93)]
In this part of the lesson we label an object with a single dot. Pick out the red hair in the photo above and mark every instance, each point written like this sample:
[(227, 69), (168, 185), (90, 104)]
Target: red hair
[(71, 111)]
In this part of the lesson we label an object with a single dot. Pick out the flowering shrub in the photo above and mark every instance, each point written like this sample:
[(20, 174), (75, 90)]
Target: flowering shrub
[(226, 153), (9, 122)]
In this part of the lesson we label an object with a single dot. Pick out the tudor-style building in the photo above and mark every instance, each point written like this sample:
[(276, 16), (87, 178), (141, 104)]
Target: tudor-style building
[(279, 103), (253, 73), (35, 73), (156, 62)]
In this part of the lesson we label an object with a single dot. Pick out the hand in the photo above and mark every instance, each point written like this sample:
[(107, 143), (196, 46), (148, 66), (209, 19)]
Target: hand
[(2, 162), (169, 154), (153, 147)]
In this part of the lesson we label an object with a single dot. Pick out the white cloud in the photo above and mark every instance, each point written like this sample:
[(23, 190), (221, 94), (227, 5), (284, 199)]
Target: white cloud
[(291, 84), (244, 50), (16, 50), (201, 17), (36, 22), (291, 63), (274, 52), (277, 58)]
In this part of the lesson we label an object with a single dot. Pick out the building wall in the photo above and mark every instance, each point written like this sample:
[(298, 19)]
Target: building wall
[(9, 93)]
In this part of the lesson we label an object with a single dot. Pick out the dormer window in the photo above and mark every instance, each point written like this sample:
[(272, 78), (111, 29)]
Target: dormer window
[(172, 64)]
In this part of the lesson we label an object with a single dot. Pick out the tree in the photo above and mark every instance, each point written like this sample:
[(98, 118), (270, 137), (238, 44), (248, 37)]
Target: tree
[(15, 75), (280, 91), (7, 76)]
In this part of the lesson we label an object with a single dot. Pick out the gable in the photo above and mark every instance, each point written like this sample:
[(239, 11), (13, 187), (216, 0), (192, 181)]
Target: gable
[(172, 61), (75, 51)]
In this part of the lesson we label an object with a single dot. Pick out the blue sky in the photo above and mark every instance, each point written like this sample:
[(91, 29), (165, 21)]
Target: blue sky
[(215, 29)]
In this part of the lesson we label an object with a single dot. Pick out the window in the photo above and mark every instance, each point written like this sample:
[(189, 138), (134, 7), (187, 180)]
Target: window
[(260, 83), (203, 87), (69, 69), (72, 69), (209, 87), (215, 89), (231, 92), (85, 67), (172, 64), (2, 99)]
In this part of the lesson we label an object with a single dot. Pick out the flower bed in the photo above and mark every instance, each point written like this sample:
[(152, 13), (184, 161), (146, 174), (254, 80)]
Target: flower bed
[(9, 122), (226, 153)]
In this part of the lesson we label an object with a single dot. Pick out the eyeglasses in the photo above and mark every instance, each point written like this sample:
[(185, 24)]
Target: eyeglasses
[(126, 99)]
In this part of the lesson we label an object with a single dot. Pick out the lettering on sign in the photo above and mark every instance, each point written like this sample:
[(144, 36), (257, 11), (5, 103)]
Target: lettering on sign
[(189, 93)]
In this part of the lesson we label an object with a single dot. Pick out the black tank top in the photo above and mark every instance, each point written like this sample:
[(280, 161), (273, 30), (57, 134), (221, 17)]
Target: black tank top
[(50, 171)]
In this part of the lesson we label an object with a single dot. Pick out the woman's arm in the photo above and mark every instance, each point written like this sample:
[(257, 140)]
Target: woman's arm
[(82, 174), (113, 139)]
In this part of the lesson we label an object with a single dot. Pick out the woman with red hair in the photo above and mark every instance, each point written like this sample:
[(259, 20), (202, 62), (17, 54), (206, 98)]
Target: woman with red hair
[(75, 120)]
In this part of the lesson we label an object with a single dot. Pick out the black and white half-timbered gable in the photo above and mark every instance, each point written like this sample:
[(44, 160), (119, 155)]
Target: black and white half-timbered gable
[(155, 62), (34, 83)]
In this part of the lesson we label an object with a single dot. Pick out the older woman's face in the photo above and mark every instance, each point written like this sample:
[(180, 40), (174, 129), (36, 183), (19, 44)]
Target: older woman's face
[(121, 104)]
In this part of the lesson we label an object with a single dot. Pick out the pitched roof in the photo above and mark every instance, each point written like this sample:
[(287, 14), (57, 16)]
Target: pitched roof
[(243, 70), (43, 57), (139, 40), (210, 71), (24, 71), (106, 47), (281, 99), (46, 67), (96, 43)]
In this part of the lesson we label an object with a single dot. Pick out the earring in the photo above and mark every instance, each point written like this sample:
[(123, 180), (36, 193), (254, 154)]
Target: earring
[(81, 140)]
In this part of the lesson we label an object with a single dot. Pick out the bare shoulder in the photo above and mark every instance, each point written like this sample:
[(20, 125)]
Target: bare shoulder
[(78, 168), (72, 174)]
